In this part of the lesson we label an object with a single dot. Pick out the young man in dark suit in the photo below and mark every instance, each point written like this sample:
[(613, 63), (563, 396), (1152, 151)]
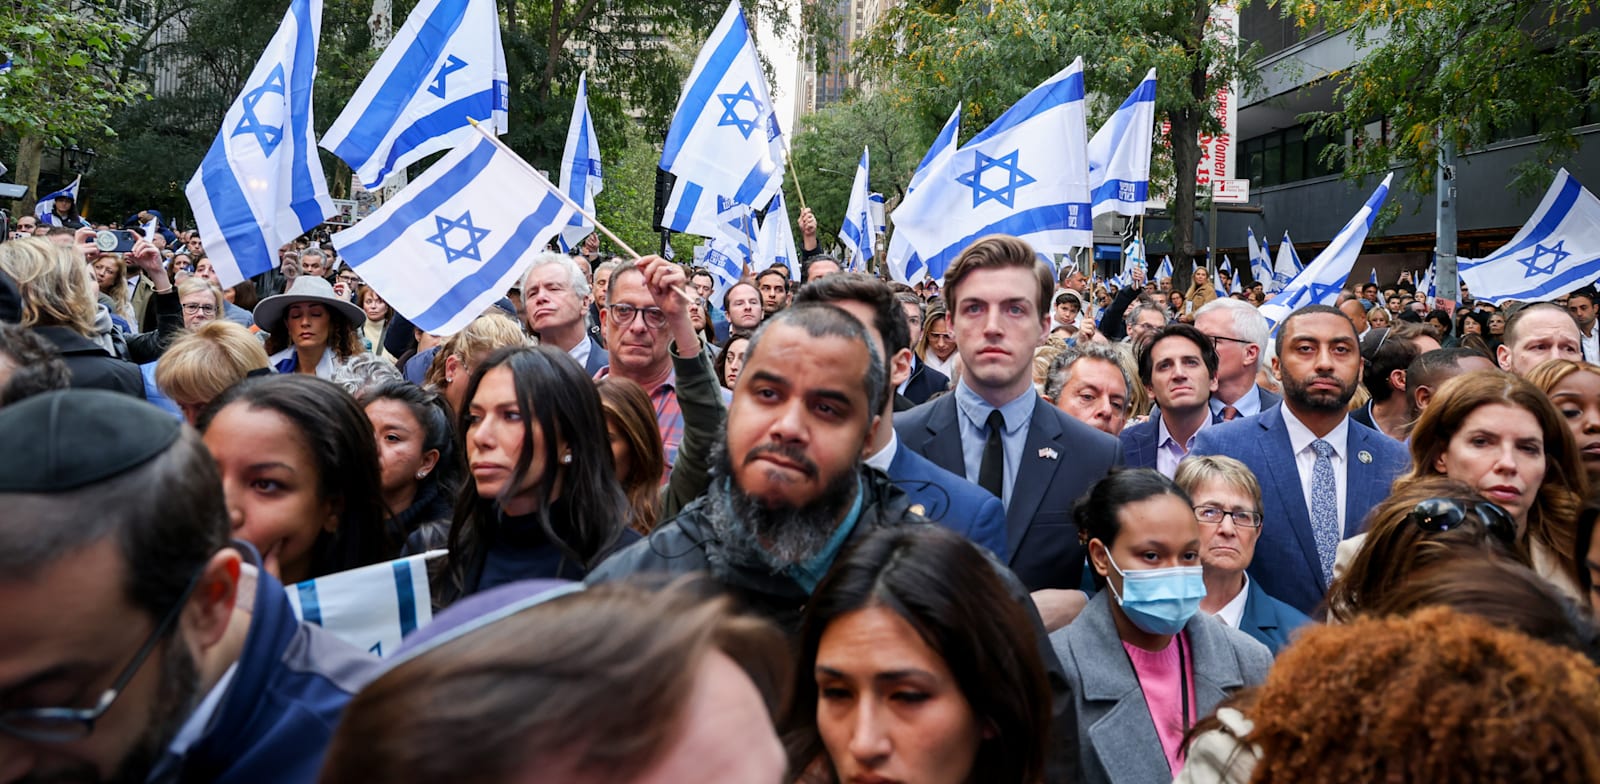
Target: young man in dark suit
[(995, 429), (1179, 368)]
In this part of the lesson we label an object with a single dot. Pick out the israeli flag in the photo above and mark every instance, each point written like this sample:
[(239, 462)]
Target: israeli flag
[(1427, 283), (444, 66), (372, 607), (458, 237), (775, 240), (1287, 266), (261, 184), (1260, 264), (1372, 277), (1322, 279), (857, 233), (1119, 154), (580, 167), (1027, 175), (1233, 275), (1135, 257), (46, 205), (1226, 267), (905, 266), (1166, 267), (731, 247), (1557, 250), (724, 139)]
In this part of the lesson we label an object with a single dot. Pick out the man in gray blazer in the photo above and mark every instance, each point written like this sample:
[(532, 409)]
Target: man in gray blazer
[(995, 429)]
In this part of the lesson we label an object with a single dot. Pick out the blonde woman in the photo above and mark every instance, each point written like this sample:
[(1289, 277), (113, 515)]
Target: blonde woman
[(456, 358), (201, 365)]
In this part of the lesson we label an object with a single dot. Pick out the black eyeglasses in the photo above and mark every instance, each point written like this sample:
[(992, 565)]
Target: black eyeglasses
[(61, 725), (1212, 515), (1437, 515), (654, 318), (1215, 338)]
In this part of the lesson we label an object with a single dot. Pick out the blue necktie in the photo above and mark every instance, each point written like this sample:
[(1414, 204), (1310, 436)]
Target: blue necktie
[(1325, 508)]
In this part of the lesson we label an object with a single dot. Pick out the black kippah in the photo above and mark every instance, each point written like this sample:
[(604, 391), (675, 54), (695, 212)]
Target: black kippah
[(70, 438)]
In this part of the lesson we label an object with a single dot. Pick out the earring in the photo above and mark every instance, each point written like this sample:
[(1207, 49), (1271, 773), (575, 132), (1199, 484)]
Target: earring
[(566, 458), (422, 474)]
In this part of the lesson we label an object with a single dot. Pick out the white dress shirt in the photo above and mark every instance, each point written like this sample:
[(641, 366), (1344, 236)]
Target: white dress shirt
[(580, 352), (1232, 613), (883, 457), (1305, 458)]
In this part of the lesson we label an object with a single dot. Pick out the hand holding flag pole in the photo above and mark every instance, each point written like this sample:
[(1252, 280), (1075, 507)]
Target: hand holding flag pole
[(601, 227)]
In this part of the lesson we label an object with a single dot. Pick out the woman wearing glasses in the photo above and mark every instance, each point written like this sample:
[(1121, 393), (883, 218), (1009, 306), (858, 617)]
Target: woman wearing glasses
[(937, 349), (1227, 504)]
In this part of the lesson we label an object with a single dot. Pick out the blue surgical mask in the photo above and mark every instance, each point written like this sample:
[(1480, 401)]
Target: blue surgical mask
[(1159, 601)]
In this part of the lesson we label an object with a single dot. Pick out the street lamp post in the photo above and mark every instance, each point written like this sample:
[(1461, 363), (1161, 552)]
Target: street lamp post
[(77, 159)]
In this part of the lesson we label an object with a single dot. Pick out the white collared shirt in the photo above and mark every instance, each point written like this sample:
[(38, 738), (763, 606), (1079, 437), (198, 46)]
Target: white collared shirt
[(1590, 343), (580, 352), (1305, 458), (1168, 451), (1232, 613), (883, 457)]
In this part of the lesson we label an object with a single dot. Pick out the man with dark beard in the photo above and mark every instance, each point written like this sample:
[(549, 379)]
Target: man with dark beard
[(1321, 472), (135, 644)]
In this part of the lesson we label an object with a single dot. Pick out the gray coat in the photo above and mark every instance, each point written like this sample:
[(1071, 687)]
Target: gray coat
[(1117, 741)]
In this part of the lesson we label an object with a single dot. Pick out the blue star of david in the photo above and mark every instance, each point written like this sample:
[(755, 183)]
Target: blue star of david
[(1557, 254), (1323, 293), (475, 235), (266, 135), (450, 66), (1006, 194), (730, 104)]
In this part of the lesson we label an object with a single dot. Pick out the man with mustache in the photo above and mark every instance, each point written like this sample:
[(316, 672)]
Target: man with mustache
[(1320, 471)]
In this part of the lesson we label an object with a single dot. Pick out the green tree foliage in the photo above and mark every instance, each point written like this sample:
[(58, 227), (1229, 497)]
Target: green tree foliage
[(1473, 70), (627, 205), (986, 55), (828, 145)]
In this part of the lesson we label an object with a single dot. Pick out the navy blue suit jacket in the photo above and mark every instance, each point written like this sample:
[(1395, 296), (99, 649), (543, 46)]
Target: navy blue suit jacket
[(598, 358), (1139, 443), (924, 383), (951, 500), (1268, 620), (1286, 562), (1061, 459)]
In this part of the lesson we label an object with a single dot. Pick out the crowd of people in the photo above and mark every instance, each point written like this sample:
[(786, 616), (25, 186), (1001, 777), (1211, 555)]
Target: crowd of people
[(1011, 526)]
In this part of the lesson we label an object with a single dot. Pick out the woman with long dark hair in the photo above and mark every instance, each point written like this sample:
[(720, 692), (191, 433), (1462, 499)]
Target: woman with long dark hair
[(421, 466), (541, 497), (916, 664), (300, 472), (636, 449)]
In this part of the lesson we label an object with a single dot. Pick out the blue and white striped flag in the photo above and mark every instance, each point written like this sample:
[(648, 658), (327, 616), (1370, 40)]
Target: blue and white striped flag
[(724, 139), (1323, 279), (1287, 266), (371, 607), (580, 167), (46, 204), (775, 240), (1166, 268), (444, 66), (1026, 175), (458, 237), (261, 184), (1557, 250), (732, 246), (875, 209), (904, 264), (1233, 275), (1427, 283), (857, 232), (1260, 263), (1119, 154)]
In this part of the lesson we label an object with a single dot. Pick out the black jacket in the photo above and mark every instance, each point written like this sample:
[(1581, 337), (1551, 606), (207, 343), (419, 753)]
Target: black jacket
[(92, 366), (924, 382), (685, 544)]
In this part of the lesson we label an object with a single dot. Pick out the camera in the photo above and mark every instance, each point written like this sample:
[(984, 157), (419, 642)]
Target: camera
[(115, 241)]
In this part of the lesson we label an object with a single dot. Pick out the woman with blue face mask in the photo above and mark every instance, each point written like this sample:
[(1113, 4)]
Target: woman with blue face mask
[(1143, 663)]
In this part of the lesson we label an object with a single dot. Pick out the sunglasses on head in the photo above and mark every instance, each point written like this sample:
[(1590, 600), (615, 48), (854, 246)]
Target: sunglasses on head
[(1437, 515)]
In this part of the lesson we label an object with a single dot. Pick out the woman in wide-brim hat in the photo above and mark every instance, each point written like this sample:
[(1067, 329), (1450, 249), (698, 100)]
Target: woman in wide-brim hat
[(311, 330)]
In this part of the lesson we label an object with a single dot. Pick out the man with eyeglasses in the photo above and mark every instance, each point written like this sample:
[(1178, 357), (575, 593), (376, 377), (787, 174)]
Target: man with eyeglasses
[(135, 643), (1239, 332)]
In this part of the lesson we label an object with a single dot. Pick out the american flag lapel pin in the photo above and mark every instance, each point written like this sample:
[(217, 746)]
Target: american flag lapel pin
[(1048, 453)]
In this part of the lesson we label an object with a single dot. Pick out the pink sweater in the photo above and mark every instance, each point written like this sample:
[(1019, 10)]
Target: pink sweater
[(1159, 678)]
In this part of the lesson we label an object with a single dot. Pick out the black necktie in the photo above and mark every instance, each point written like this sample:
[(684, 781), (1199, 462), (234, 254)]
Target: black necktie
[(992, 472)]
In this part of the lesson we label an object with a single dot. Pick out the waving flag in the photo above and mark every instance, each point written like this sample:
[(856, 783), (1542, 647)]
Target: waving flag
[(1287, 266), (458, 237), (444, 66), (724, 140), (47, 202), (1325, 276), (1119, 154), (261, 184), (775, 240), (1166, 267), (1026, 175), (1557, 251), (1260, 264), (1427, 283), (857, 233), (580, 167), (904, 264)]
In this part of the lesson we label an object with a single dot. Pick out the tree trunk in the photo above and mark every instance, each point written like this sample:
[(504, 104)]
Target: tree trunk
[(29, 150), (1185, 137)]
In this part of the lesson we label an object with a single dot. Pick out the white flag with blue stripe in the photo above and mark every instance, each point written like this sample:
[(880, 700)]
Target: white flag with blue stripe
[(1260, 263), (724, 139), (857, 233), (1119, 154), (775, 240), (46, 204), (732, 246), (1287, 266), (580, 167), (371, 607), (261, 184), (445, 65), (1322, 280), (1557, 250), (1026, 175), (875, 207), (457, 238), (905, 266), (1166, 268)]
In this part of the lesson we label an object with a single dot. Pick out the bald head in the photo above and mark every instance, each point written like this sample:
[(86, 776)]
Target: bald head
[(1356, 312)]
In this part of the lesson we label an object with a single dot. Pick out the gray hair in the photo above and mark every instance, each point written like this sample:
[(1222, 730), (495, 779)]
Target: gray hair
[(1144, 304), (1060, 371), (1248, 323), (822, 320), (578, 281), (364, 371)]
